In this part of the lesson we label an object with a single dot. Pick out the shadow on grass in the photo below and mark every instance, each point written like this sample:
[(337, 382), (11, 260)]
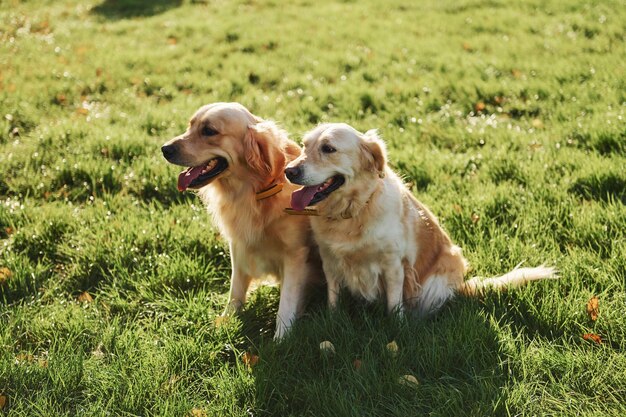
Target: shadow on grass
[(601, 187), (455, 356), (126, 9)]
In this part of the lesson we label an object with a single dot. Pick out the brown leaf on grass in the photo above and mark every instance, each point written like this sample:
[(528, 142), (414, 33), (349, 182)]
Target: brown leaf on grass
[(85, 297), (60, 99), (516, 73), (408, 380), (168, 386), (357, 363), (467, 47), (24, 357), (593, 308), (3, 401), (458, 209), (327, 347), (197, 412), (97, 352), (40, 27), (593, 338), (9, 230), (5, 274), (479, 107), (392, 347), (249, 359), (172, 40), (219, 321), (82, 110), (475, 218)]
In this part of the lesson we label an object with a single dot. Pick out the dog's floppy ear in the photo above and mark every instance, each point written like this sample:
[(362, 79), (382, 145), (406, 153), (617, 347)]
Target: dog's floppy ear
[(376, 152), (257, 144)]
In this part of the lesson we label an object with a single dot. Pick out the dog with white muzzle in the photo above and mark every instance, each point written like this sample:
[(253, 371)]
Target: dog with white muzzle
[(375, 237)]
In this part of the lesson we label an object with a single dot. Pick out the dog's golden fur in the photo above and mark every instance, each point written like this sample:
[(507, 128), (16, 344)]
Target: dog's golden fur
[(375, 237), (263, 240)]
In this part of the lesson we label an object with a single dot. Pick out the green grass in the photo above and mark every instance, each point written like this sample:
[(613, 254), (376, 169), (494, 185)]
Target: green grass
[(507, 119)]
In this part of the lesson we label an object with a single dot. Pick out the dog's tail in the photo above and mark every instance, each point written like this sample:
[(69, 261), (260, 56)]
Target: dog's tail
[(518, 276)]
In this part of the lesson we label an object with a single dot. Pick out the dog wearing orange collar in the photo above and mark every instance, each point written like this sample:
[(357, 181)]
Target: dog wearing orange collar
[(375, 237), (236, 161)]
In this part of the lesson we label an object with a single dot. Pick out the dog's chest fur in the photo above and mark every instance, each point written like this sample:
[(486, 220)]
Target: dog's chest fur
[(259, 234), (359, 255)]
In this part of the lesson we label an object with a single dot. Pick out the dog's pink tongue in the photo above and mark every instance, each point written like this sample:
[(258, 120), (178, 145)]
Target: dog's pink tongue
[(301, 198), (188, 175)]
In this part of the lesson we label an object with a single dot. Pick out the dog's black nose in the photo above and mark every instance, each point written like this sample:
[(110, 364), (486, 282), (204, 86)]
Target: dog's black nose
[(293, 173), (168, 151)]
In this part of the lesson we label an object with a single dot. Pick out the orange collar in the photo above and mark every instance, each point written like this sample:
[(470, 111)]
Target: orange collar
[(268, 192), (309, 211)]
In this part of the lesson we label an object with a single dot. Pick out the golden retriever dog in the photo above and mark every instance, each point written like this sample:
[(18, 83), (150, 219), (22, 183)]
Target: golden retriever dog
[(236, 162), (374, 236)]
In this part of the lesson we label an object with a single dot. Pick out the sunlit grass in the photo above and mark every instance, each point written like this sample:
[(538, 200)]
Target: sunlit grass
[(505, 118)]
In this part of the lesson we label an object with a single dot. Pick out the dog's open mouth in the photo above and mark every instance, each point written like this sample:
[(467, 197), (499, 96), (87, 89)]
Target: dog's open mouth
[(196, 177), (307, 196)]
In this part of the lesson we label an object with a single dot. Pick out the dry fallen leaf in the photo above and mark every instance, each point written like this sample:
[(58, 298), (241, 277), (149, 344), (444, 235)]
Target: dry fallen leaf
[(167, 386), (480, 106), (85, 297), (475, 218), (249, 359), (593, 337), (392, 347), (219, 321), (9, 230), (197, 412), (3, 401), (327, 347), (408, 380), (357, 364), (5, 274), (97, 352), (593, 308), (457, 208), (24, 357)]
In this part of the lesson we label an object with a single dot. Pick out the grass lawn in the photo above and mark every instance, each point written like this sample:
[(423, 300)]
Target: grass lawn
[(505, 117)]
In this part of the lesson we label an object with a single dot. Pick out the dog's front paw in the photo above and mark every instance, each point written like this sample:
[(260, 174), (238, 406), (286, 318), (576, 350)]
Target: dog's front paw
[(281, 331), (232, 308)]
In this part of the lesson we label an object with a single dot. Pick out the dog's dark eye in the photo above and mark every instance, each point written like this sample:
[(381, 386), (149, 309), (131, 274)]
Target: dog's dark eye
[(326, 148), (207, 131)]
